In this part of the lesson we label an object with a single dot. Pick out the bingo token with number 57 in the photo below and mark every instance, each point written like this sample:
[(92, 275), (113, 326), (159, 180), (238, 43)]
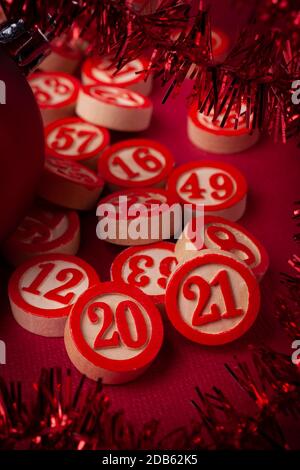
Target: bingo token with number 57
[(70, 184), (100, 70), (115, 108), (43, 290), (146, 267), (222, 234), (114, 332), (220, 188), (136, 163), (212, 299), (75, 139), (56, 94), (43, 230)]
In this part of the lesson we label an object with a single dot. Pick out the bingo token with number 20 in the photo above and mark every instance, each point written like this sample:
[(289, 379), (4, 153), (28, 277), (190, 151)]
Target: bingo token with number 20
[(43, 290), (75, 139), (56, 94), (114, 332), (146, 267), (212, 299), (219, 187), (136, 163), (222, 234), (70, 184), (114, 107), (43, 230)]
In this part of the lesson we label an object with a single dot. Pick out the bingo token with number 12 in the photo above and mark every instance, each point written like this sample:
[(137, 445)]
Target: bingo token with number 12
[(219, 187), (146, 267), (115, 108), (212, 299), (43, 290), (136, 163), (114, 332), (75, 139)]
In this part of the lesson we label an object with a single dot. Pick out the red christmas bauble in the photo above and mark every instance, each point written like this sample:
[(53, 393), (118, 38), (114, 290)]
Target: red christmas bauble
[(21, 145)]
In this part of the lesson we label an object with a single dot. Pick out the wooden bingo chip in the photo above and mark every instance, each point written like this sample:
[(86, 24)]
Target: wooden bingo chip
[(147, 267), (56, 94), (114, 107), (70, 184), (212, 299), (137, 217), (75, 139), (213, 137), (101, 70), (63, 58), (43, 290), (43, 230), (114, 332), (136, 163), (220, 188), (220, 44), (222, 234)]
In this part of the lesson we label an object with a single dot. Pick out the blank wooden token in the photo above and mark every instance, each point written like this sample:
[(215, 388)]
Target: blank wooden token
[(43, 290), (63, 58), (56, 94), (136, 163), (102, 71), (70, 184), (43, 230), (146, 267), (222, 234), (212, 299), (114, 332), (75, 139), (217, 188), (214, 137), (114, 107)]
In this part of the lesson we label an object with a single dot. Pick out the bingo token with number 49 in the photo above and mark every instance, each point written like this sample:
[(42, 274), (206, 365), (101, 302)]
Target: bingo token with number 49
[(222, 234), (43, 230), (136, 163), (56, 94), (70, 184), (114, 332), (146, 267), (212, 299), (115, 108), (75, 139), (43, 290), (220, 188), (101, 70)]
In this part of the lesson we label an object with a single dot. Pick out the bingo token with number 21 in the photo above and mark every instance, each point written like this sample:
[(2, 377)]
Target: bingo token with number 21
[(114, 332), (115, 108), (56, 94), (75, 139), (220, 188), (136, 163), (43, 290), (212, 299), (146, 267)]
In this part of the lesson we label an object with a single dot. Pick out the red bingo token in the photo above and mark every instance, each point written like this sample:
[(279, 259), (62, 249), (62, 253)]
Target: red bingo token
[(146, 267), (56, 94), (70, 184), (114, 332), (63, 58), (221, 234), (101, 70), (43, 290), (43, 230), (214, 137), (212, 299), (114, 107), (136, 163), (75, 139), (219, 187), (137, 217), (220, 43)]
